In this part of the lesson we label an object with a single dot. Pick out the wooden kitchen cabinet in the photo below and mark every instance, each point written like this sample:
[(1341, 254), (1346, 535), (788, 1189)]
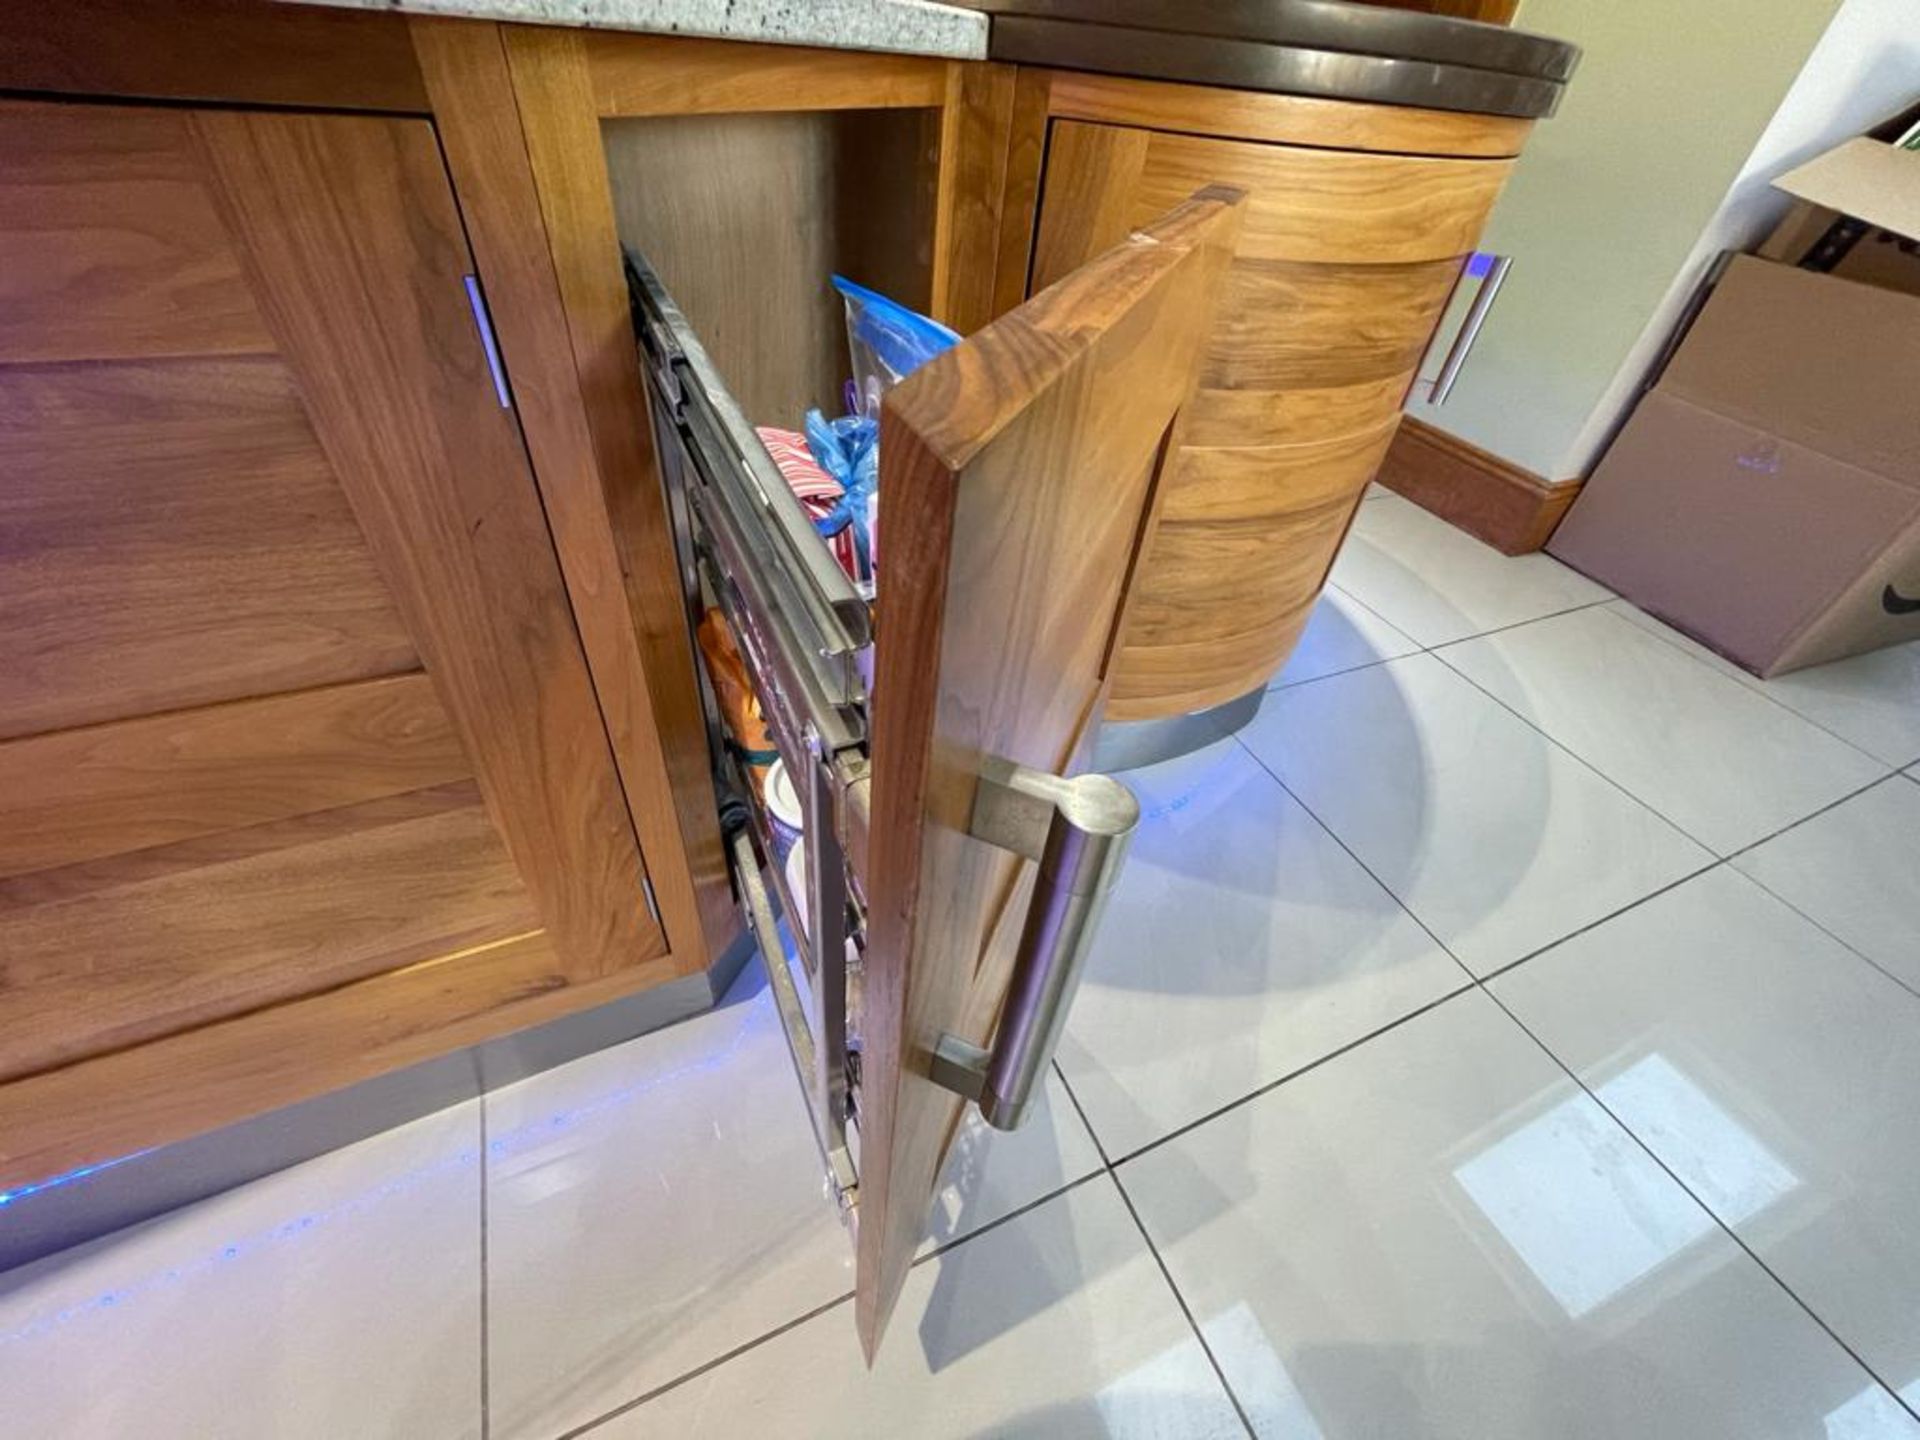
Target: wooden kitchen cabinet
[(1360, 218), (302, 773)]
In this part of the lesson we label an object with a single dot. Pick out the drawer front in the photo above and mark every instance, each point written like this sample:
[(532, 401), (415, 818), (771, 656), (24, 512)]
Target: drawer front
[(1019, 472), (1343, 270)]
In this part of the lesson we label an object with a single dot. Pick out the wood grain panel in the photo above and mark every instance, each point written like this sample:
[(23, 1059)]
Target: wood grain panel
[(685, 75), (972, 184), (552, 87), (105, 789), (113, 248), (1245, 482), (237, 50), (1022, 465), (1281, 119), (1093, 173), (1285, 325), (1230, 578), (1336, 206), (1027, 129), (1343, 270), (187, 1084), (109, 954), (1291, 417), (1191, 675), (711, 201), (357, 254), (1491, 498), (171, 535), (465, 65)]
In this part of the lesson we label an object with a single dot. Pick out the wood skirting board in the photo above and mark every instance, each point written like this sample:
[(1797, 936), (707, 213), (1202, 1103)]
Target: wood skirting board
[(1494, 500)]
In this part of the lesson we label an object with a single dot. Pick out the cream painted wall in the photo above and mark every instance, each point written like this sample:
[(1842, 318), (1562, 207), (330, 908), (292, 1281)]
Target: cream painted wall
[(1605, 207), (1864, 68)]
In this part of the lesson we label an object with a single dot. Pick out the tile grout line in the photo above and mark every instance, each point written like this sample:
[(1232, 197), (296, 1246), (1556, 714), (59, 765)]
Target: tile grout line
[(1188, 1127), (1418, 648), (627, 1406), (1707, 1209), (1314, 816), (1674, 644), (1439, 645), (774, 1333), (1575, 756), (1768, 889), (1146, 1238), (1811, 815), (1555, 943), (1481, 985)]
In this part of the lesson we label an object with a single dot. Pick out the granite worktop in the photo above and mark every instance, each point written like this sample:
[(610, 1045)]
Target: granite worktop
[(910, 27)]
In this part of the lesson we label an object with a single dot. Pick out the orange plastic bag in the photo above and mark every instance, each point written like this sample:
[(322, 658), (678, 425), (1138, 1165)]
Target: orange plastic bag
[(747, 733)]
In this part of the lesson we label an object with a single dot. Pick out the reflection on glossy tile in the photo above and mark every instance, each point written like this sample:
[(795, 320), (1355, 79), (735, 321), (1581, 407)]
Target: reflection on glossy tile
[(658, 1204), (1438, 1234), (1579, 1204), (1855, 869), (991, 1173), (1872, 700), (1724, 764), (338, 1298), (1057, 1323), (1341, 635), (1773, 1071), (1497, 840), (1438, 584), (1241, 944)]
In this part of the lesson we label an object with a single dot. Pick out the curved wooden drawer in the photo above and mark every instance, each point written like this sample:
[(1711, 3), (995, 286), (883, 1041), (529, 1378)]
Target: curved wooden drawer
[(1344, 267), (1285, 325), (1327, 205)]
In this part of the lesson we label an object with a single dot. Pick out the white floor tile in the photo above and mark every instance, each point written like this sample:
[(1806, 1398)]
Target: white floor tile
[(1057, 1323), (1341, 635), (1774, 1072), (1856, 870), (1724, 764), (337, 1298), (1497, 840), (1439, 584), (1438, 1234), (1241, 943), (1872, 700), (658, 1204)]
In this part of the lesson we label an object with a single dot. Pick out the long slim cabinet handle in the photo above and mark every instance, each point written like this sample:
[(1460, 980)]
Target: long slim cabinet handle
[(1491, 272), (1078, 830)]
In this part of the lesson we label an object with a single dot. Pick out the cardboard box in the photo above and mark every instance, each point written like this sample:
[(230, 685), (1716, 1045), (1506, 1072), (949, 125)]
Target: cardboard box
[(1765, 495)]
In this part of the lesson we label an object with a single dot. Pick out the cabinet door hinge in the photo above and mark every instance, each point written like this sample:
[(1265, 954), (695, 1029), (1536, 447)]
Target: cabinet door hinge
[(483, 322)]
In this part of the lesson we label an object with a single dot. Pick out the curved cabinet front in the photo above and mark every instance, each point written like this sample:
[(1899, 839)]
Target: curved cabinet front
[(1343, 269)]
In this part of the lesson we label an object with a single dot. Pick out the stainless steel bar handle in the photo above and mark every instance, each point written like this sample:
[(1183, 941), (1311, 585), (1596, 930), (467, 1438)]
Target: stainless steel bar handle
[(1079, 831), (1491, 272)]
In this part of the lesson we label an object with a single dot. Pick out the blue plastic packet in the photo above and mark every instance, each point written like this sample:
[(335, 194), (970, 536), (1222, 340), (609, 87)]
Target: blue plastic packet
[(888, 342), (848, 449)]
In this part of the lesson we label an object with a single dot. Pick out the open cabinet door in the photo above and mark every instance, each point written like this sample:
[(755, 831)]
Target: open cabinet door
[(1021, 469)]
